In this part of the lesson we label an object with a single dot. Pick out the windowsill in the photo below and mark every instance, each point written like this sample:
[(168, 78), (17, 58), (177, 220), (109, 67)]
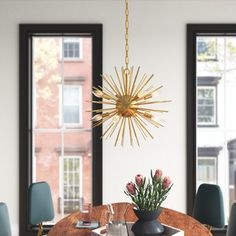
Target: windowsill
[(208, 126), (207, 60), (80, 60), (72, 126)]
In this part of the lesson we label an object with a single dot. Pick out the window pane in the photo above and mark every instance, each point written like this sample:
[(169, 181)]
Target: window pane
[(216, 96), (72, 95), (47, 78), (206, 111), (207, 48), (71, 53), (61, 148), (71, 114), (77, 176), (79, 144), (70, 46), (46, 160), (76, 45), (77, 53)]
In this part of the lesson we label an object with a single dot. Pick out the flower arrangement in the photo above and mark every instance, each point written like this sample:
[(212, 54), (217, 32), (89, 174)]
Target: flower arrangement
[(149, 195)]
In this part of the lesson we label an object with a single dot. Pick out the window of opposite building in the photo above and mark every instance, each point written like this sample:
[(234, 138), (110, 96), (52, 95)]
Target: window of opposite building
[(72, 104), (206, 104), (71, 183), (72, 48), (207, 165), (207, 170)]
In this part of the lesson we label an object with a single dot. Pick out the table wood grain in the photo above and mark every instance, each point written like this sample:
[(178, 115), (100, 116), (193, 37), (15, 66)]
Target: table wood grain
[(190, 226)]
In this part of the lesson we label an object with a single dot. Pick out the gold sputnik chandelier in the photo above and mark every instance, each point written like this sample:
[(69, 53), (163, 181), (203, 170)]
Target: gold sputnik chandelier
[(127, 100)]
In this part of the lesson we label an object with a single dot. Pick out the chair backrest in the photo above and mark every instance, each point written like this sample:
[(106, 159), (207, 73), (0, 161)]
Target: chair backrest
[(40, 207), (5, 228), (209, 206), (231, 230)]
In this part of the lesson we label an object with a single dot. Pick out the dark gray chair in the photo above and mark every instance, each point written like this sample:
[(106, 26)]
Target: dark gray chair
[(231, 230), (5, 228), (209, 206), (40, 208)]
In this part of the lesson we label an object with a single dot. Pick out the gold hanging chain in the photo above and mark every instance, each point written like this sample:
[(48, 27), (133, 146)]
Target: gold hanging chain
[(127, 36)]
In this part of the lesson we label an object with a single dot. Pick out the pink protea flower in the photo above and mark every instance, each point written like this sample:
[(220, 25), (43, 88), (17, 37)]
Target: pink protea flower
[(158, 174), (166, 182), (139, 180), (130, 188)]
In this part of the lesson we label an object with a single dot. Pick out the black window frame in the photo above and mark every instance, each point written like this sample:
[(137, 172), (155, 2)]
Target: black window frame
[(194, 30), (26, 31)]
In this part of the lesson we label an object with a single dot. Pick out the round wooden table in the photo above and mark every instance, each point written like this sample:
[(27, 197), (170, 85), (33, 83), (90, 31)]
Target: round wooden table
[(190, 226)]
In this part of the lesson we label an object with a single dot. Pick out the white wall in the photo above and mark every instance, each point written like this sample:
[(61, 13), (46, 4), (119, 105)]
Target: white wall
[(158, 43)]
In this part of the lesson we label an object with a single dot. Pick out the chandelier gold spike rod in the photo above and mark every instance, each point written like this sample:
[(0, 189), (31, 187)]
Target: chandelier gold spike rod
[(127, 99)]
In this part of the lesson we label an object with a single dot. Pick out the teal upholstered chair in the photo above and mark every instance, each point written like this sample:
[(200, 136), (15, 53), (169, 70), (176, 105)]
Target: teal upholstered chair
[(40, 208), (209, 207), (231, 230), (5, 228)]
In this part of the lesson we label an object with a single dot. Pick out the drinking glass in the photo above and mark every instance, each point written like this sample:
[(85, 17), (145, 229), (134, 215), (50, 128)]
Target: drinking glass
[(116, 225), (88, 213)]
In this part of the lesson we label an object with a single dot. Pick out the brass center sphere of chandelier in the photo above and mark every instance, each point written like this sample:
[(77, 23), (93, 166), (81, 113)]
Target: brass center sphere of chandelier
[(125, 107)]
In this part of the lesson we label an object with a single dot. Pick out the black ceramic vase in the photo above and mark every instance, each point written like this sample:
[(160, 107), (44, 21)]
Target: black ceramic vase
[(147, 223)]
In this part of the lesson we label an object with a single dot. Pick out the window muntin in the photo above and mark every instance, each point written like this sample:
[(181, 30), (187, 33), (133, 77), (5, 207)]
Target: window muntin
[(72, 104), (72, 48), (206, 105)]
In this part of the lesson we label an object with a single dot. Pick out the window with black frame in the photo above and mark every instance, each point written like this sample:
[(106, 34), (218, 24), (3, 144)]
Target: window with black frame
[(211, 127), (59, 66)]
